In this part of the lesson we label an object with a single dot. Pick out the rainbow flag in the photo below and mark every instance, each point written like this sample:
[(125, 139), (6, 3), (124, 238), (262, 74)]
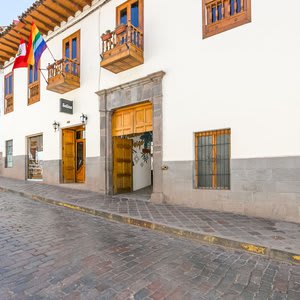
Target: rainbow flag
[(36, 46)]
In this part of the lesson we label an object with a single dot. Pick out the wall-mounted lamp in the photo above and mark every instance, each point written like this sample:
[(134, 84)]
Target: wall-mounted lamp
[(55, 126), (83, 118)]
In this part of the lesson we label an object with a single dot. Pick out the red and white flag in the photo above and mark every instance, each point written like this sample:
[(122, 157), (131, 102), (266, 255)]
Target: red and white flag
[(21, 57)]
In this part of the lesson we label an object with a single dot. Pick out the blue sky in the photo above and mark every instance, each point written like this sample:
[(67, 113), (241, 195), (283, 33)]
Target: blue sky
[(11, 9)]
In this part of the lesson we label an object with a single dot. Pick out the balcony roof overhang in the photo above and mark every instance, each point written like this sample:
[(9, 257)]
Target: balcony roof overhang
[(47, 14)]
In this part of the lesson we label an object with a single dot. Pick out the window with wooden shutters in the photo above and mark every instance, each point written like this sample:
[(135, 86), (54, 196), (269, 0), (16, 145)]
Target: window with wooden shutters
[(131, 11), (71, 53), (8, 93), (222, 15), (33, 84), (212, 153)]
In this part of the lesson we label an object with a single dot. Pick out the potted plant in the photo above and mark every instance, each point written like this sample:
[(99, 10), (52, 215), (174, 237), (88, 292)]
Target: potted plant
[(106, 36), (120, 29), (146, 151)]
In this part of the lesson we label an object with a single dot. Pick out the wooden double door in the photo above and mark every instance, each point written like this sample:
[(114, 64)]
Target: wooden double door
[(73, 155)]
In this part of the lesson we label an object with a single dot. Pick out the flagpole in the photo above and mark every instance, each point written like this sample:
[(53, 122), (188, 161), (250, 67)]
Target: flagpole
[(43, 75), (51, 53)]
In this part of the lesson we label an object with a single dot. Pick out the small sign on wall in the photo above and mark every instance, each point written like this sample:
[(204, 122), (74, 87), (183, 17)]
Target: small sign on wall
[(66, 106)]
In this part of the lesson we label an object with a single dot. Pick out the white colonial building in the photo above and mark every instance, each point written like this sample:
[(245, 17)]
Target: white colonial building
[(195, 105)]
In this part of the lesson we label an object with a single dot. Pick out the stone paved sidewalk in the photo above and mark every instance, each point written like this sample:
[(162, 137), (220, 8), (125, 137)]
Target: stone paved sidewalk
[(275, 239)]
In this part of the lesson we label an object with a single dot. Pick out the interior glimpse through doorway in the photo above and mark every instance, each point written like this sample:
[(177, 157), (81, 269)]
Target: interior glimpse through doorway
[(73, 155)]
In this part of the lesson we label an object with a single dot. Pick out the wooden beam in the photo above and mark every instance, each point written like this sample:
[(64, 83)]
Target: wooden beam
[(87, 2), (12, 54), (53, 11), (39, 23), (4, 56), (75, 5), (21, 26), (40, 28), (16, 35), (25, 31), (8, 43), (10, 36), (63, 7), (8, 49), (50, 19)]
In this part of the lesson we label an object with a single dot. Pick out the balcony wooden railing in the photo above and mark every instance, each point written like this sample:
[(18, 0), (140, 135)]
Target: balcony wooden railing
[(221, 15), (123, 48), (33, 92), (9, 104), (64, 75)]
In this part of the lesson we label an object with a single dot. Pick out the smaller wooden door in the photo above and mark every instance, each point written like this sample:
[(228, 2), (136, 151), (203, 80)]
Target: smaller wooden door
[(68, 155), (122, 165), (80, 160)]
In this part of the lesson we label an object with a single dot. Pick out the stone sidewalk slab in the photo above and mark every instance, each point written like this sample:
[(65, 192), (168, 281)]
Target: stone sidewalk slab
[(271, 238)]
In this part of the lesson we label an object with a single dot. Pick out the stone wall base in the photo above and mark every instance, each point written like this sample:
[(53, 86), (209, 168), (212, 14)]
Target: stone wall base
[(261, 187), (52, 173), (18, 170)]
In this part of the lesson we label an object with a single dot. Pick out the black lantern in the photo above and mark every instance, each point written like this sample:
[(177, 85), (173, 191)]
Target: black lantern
[(55, 126), (83, 118)]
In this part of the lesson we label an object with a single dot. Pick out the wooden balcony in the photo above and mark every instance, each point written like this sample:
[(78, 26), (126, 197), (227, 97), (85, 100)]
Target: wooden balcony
[(222, 15), (63, 76), (122, 49)]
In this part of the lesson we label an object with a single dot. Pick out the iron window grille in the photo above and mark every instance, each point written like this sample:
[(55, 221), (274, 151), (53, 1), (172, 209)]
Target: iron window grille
[(9, 154), (212, 155)]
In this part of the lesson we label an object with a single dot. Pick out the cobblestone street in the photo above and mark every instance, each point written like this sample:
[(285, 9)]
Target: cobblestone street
[(47, 252)]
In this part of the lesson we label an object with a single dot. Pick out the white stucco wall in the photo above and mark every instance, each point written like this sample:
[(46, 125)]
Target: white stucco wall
[(245, 79), (39, 117), (1, 92)]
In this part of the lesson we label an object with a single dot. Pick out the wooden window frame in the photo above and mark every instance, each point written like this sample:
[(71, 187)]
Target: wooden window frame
[(34, 84), (214, 134), (8, 97), (69, 39), (127, 5), (228, 22), (6, 150)]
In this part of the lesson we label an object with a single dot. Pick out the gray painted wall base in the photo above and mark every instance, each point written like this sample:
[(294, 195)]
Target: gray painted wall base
[(262, 187)]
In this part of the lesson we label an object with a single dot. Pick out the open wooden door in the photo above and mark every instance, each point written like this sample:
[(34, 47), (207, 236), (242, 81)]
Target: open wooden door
[(122, 167), (80, 160), (68, 155)]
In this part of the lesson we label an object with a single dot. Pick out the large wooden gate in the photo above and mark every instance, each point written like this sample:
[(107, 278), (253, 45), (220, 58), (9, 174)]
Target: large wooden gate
[(132, 120)]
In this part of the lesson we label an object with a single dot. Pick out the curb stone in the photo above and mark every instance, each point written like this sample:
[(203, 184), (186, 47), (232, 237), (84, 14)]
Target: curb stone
[(188, 234)]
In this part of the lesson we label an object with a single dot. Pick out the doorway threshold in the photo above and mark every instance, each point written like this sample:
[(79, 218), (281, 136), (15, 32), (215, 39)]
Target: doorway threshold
[(143, 194)]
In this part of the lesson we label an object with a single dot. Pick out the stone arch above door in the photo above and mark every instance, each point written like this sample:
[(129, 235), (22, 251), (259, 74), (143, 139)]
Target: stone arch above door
[(148, 88)]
